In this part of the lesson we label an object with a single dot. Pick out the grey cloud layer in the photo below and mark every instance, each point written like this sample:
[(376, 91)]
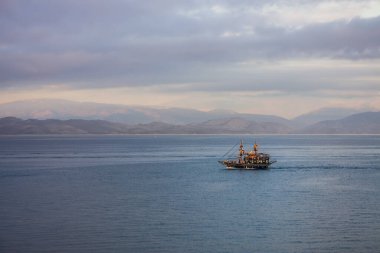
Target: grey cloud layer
[(163, 42)]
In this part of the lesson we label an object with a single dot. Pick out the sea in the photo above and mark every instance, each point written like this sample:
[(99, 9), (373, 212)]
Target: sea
[(168, 193)]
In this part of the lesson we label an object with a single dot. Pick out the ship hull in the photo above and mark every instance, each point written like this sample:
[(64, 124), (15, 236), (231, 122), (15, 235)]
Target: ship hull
[(245, 166)]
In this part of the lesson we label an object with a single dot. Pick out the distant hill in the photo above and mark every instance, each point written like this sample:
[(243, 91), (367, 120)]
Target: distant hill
[(12, 125), (361, 123), (63, 109), (241, 125), (324, 114), (50, 116)]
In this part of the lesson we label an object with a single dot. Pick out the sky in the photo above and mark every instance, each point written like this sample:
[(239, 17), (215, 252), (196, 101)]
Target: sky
[(268, 56)]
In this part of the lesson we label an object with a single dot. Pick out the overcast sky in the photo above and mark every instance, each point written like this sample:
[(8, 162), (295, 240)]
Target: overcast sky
[(270, 57)]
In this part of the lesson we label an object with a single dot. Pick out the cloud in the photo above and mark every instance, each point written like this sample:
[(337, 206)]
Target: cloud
[(188, 45)]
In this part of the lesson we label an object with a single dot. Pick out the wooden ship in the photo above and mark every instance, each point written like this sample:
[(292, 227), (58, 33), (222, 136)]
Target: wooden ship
[(249, 160)]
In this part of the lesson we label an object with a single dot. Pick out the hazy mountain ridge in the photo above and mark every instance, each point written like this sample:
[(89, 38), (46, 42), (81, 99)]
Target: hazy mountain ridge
[(360, 123), (63, 109), (12, 125), (121, 119), (240, 125), (323, 114)]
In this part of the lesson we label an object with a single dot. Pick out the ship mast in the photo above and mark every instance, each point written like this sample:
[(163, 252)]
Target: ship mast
[(241, 151)]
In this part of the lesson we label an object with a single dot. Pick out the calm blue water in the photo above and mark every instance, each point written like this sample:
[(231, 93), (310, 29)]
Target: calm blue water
[(169, 194)]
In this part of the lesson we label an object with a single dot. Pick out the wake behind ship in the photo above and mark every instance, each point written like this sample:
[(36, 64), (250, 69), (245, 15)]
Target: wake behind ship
[(250, 160)]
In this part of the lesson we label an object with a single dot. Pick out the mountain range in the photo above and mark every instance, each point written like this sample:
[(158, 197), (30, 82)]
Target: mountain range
[(362, 123), (67, 117), (325, 114), (12, 125), (64, 109)]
